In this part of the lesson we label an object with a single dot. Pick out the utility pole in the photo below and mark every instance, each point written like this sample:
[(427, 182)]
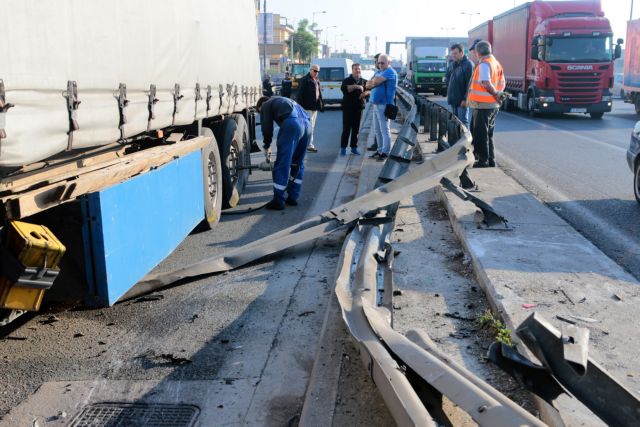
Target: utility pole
[(264, 38)]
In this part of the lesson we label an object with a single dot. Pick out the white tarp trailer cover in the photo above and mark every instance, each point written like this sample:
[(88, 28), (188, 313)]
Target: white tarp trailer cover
[(101, 44)]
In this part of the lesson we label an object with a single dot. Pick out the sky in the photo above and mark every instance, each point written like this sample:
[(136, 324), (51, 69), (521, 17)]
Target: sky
[(375, 18)]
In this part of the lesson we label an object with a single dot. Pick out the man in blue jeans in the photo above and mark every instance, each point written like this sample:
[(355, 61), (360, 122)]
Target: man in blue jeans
[(383, 92), (293, 137)]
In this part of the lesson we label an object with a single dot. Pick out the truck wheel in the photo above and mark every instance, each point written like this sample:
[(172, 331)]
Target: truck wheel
[(596, 116), (233, 161), (211, 173), (531, 106), (246, 144)]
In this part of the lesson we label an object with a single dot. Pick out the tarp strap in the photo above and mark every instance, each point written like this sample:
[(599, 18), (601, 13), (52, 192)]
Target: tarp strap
[(208, 99), (4, 107), (73, 104), (123, 102), (176, 97), (152, 104)]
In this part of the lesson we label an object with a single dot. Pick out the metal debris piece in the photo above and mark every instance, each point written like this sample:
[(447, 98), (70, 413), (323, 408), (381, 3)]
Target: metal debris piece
[(490, 218), (595, 388), (575, 344), (533, 377)]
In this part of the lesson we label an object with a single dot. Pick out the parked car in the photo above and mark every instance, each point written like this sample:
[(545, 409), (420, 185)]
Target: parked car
[(633, 158), (332, 72)]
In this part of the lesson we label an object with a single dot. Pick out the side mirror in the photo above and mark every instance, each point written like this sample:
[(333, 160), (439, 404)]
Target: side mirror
[(617, 53), (411, 66), (534, 52)]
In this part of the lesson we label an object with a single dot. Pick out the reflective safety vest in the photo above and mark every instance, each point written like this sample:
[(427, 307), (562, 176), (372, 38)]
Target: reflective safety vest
[(477, 93)]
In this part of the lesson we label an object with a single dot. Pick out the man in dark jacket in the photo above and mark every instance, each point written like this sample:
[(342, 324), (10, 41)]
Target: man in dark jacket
[(287, 85), (458, 83), (352, 105), (310, 98), (291, 143), (267, 87)]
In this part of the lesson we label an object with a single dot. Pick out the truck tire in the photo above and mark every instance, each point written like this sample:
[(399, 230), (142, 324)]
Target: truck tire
[(246, 143), (596, 116), (230, 136), (211, 173), (531, 106)]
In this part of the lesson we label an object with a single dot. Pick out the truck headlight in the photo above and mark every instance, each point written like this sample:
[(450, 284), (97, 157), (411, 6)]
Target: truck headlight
[(606, 98), (546, 99), (636, 131)]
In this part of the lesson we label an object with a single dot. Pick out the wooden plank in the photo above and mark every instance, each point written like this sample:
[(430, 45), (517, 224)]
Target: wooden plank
[(31, 202), (61, 169)]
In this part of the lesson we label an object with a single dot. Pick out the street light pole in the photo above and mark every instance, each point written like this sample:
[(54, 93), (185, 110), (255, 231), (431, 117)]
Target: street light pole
[(313, 21), (326, 35), (264, 38), (471, 14)]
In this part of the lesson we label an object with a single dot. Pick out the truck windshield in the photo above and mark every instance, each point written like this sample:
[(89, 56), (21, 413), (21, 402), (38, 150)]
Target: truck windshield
[(331, 74), (301, 69), (579, 49), (432, 67)]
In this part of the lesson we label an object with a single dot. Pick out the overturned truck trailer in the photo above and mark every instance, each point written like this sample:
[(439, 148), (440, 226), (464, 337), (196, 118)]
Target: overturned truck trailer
[(124, 108)]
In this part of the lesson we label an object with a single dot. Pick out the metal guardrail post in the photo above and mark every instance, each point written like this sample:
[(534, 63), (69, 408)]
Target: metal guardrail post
[(433, 131), (426, 114), (442, 124)]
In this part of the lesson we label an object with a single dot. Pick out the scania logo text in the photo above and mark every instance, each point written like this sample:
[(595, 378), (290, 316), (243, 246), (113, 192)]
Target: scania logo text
[(579, 67)]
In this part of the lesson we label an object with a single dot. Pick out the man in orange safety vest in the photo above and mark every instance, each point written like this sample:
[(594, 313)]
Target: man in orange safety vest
[(485, 96)]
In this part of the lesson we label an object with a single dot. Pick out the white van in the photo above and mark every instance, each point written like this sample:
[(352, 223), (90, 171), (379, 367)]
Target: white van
[(332, 72)]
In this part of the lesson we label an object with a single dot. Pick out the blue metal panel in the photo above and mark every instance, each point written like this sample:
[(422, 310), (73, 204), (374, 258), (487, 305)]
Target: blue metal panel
[(131, 227)]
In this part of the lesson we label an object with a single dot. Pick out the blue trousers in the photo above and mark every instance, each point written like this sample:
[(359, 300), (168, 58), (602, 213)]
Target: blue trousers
[(288, 170), (462, 113)]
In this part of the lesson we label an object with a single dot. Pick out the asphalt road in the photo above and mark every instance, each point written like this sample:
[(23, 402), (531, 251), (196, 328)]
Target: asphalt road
[(249, 334), (578, 167)]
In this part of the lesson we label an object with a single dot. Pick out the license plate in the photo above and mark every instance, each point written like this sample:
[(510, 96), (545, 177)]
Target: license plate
[(578, 110)]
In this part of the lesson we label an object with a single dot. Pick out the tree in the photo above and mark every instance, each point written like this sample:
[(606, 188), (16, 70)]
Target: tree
[(305, 44)]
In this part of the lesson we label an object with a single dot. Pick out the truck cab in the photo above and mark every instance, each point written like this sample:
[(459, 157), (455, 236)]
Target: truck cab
[(429, 75), (572, 65)]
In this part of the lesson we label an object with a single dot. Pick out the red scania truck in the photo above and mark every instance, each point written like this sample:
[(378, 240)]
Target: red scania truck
[(557, 56)]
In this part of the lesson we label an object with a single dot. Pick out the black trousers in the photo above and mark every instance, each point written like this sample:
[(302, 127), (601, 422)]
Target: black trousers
[(350, 125), (484, 121)]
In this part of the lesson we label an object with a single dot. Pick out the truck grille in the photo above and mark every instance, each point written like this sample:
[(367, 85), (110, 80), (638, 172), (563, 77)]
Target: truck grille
[(429, 79), (579, 88)]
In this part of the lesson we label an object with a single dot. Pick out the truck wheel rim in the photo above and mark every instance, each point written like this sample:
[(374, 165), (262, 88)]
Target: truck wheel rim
[(232, 162), (213, 178)]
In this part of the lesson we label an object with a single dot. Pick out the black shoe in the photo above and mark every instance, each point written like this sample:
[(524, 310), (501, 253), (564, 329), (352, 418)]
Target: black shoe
[(275, 205), (374, 147), (480, 165), (291, 202), (375, 156), (492, 163), (382, 157)]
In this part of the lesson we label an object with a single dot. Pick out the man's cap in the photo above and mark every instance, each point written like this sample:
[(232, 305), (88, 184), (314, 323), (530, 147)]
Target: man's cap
[(475, 42)]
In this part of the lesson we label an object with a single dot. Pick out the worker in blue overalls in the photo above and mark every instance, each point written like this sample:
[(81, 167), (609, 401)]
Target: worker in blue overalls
[(293, 137)]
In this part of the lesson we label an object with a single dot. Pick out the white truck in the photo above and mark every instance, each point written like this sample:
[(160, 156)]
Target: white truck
[(133, 118)]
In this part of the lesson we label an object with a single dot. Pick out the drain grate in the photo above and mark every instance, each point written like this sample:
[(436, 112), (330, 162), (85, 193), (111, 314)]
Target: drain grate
[(136, 414)]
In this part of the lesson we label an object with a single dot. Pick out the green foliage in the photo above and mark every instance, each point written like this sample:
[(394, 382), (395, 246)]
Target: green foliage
[(305, 43), (502, 333)]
